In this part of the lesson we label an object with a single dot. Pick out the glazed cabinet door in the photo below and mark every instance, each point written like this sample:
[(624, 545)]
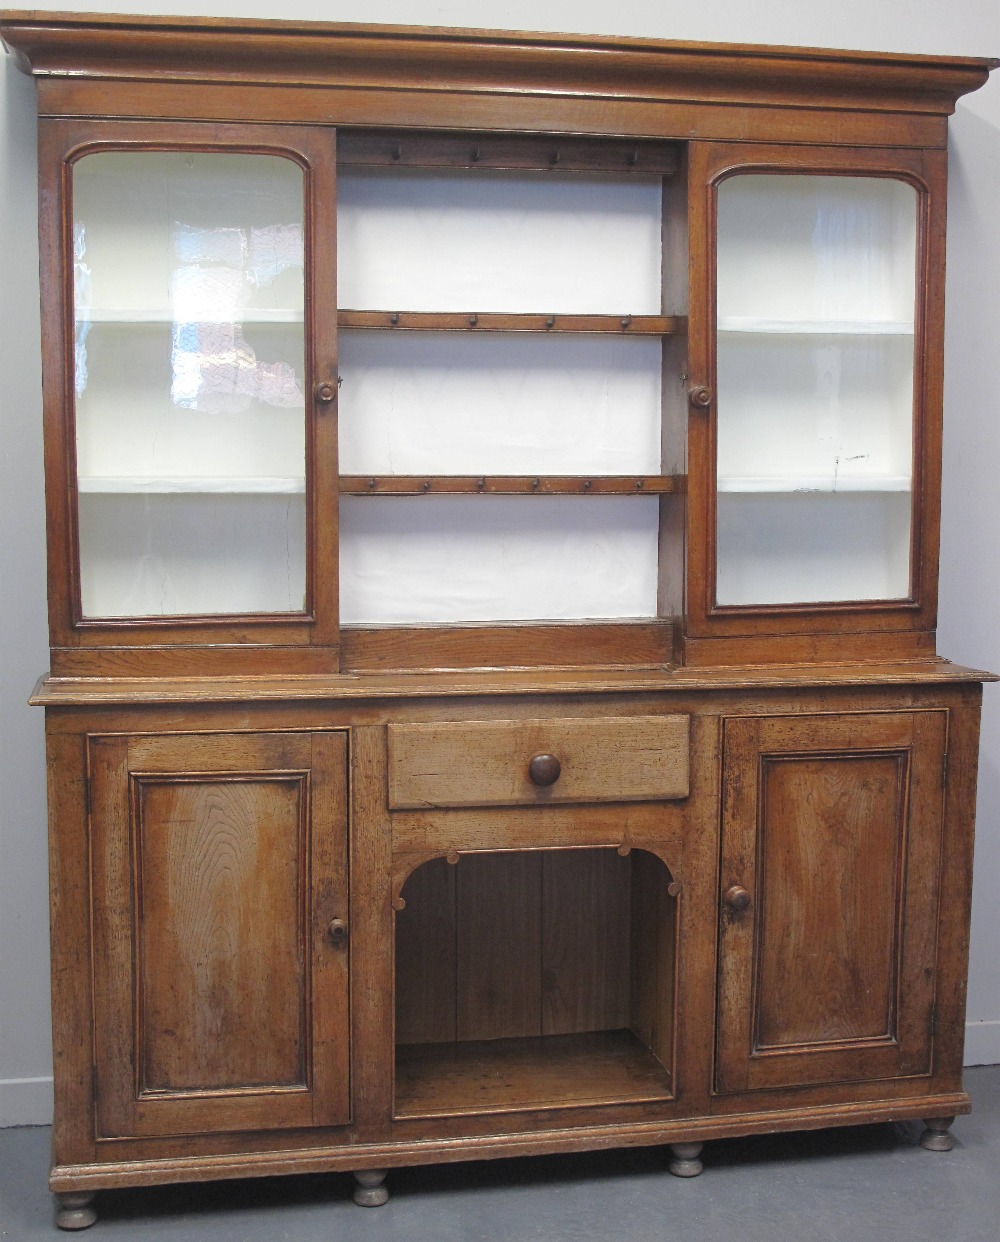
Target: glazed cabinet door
[(815, 403), (219, 880), (190, 354), (832, 830)]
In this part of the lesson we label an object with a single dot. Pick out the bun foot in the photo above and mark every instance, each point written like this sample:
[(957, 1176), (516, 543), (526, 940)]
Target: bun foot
[(684, 1160), (369, 1191), (937, 1136), (74, 1211)]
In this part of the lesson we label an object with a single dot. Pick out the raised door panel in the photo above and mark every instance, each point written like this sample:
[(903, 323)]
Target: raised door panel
[(219, 861), (831, 838)]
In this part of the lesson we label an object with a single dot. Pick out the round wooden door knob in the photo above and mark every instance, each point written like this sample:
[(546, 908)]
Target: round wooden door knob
[(738, 899), (544, 769), (337, 931), (700, 397), (325, 393)]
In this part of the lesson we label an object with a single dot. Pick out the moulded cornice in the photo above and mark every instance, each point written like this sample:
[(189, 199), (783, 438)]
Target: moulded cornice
[(105, 47)]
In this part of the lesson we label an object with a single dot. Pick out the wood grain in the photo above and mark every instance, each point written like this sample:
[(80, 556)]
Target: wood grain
[(372, 942), (205, 50), (301, 103), (509, 485), (653, 963), (406, 148), (220, 876), (486, 763), (536, 942), (403, 320), (828, 976), (519, 1074), (586, 907), (426, 965), (526, 1136), (572, 684), (499, 934), (828, 898), (577, 980), (215, 873), (571, 644)]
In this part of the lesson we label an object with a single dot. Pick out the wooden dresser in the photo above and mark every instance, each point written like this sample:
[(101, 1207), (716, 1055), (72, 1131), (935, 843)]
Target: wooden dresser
[(493, 490)]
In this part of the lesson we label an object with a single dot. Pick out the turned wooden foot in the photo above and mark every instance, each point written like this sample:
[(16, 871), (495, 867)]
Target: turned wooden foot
[(937, 1136), (684, 1160), (369, 1191), (74, 1211)]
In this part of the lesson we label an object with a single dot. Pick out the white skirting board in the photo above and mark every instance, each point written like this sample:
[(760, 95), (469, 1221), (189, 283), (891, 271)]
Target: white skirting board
[(982, 1042), (28, 1101), (25, 1102)]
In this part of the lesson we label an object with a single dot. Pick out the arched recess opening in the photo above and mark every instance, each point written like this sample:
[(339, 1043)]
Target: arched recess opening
[(535, 979)]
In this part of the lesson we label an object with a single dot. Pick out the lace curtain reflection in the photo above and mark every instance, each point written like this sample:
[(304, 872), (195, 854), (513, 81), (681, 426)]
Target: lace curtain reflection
[(215, 272)]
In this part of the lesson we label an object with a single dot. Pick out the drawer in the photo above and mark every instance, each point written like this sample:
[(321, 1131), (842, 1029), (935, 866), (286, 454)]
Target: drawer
[(489, 762)]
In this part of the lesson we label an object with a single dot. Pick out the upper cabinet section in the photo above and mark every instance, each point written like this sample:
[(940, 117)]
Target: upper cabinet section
[(390, 348)]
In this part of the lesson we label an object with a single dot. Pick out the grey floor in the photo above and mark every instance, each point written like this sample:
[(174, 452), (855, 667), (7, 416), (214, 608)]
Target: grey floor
[(867, 1184)]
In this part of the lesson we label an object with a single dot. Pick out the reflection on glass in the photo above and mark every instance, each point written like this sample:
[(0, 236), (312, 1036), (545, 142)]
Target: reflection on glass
[(189, 380), (815, 306)]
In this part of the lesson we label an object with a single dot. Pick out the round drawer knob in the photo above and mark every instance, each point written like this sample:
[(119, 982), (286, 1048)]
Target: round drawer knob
[(738, 899), (700, 397), (325, 393), (337, 931), (544, 769)]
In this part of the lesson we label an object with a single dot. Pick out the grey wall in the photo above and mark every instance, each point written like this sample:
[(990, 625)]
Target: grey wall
[(970, 553)]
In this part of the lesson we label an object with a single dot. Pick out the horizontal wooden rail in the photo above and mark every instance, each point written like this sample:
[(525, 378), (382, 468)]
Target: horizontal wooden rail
[(493, 321), (528, 153), (512, 485)]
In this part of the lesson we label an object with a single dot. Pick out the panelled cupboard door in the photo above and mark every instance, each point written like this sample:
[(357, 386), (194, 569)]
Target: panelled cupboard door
[(832, 828), (219, 881)]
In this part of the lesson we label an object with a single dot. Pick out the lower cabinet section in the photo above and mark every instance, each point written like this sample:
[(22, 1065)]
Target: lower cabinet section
[(745, 912)]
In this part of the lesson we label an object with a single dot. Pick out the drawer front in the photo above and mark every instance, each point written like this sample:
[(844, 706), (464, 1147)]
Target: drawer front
[(489, 763)]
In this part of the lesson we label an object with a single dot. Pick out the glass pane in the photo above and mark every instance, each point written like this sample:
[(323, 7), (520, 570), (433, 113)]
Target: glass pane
[(497, 558), (189, 383), (455, 403), (488, 241), (816, 296)]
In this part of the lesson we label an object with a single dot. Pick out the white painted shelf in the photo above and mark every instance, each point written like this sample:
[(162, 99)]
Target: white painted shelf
[(747, 484), (163, 314), (149, 485), (815, 327)]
